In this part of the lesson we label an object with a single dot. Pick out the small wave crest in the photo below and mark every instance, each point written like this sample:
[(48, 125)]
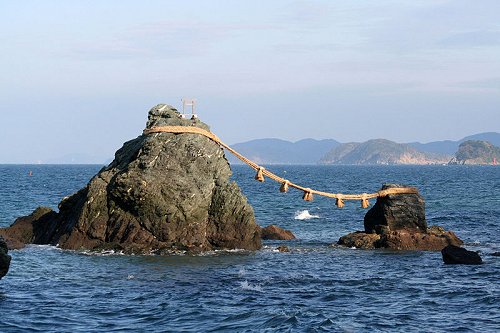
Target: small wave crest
[(304, 215), (245, 285)]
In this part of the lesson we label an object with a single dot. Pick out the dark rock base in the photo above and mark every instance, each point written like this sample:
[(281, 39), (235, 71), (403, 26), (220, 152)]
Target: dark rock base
[(434, 240)]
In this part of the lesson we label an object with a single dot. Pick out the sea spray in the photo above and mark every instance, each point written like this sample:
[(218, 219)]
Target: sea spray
[(245, 285), (304, 215)]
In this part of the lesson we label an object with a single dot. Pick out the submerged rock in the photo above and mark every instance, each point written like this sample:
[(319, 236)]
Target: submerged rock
[(283, 248), (163, 192), (398, 222), (4, 258), (458, 255), (276, 233)]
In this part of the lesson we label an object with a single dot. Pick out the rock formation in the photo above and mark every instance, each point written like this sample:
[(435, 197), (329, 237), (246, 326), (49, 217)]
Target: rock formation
[(274, 232), (163, 192), (398, 222), (458, 255), (4, 258)]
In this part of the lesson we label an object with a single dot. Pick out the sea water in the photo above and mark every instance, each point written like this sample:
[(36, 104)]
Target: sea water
[(316, 287)]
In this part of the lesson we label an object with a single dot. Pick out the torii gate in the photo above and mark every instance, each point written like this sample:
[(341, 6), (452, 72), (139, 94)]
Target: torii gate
[(189, 102)]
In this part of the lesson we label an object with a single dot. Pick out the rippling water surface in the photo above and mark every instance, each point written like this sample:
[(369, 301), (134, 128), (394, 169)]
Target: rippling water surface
[(316, 287)]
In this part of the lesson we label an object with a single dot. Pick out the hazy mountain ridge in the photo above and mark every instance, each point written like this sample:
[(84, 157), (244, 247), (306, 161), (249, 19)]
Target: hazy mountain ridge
[(450, 147), (277, 151), (377, 151)]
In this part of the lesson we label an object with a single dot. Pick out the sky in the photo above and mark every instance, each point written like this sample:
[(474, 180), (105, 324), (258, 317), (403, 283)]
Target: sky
[(78, 77)]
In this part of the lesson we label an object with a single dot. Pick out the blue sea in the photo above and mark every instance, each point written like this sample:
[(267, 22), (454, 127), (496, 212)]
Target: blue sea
[(316, 287)]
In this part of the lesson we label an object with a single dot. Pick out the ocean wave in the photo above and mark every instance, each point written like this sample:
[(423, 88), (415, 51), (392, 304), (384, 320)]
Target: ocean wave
[(245, 285), (304, 215)]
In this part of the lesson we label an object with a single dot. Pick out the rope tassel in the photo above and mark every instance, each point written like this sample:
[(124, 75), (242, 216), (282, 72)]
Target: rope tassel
[(308, 196), (339, 202), (364, 201), (260, 174), (284, 186)]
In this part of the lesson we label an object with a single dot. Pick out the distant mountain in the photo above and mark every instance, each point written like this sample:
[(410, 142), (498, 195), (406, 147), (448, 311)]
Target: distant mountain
[(310, 151), (450, 147), (476, 152), (277, 151), (380, 151)]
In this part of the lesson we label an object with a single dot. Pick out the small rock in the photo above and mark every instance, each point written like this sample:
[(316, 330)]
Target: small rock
[(457, 255), (496, 254), (283, 248), (276, 233), (359, 240), (4, 258)]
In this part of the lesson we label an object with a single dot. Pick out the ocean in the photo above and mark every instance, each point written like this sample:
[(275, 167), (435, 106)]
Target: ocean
[(316, 287)]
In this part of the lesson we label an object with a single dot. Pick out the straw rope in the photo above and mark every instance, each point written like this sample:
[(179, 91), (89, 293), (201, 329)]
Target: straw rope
[(285, 183)]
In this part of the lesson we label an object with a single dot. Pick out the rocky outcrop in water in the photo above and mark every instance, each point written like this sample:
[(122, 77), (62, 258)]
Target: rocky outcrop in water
[(398, 222), (458, 255), (276, 233), (4, 258), (163, 192)]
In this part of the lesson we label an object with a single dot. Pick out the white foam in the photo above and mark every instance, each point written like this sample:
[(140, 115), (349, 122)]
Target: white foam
[(247, 286), (304, 215)]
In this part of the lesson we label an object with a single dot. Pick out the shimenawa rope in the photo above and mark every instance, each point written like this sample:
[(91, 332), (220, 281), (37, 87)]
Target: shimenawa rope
[(285, 184)]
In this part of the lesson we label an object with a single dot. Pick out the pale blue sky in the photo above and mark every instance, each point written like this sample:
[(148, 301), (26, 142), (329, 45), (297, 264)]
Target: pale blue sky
[(79, 76)]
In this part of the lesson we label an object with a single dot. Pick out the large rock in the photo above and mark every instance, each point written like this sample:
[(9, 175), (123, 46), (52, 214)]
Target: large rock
[(163, 192), (396, 212), (398, 222), (4, 258), (458, 255)]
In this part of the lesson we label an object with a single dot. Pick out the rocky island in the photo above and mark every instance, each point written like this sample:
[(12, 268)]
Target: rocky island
[(474, 152), (398, 222), (380, 152), (163, 192)]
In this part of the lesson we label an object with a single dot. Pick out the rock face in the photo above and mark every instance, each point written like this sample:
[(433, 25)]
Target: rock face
[(457, 255), (398, 222), (396, 212), (163, 192), (4, 258), (276, 233)]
